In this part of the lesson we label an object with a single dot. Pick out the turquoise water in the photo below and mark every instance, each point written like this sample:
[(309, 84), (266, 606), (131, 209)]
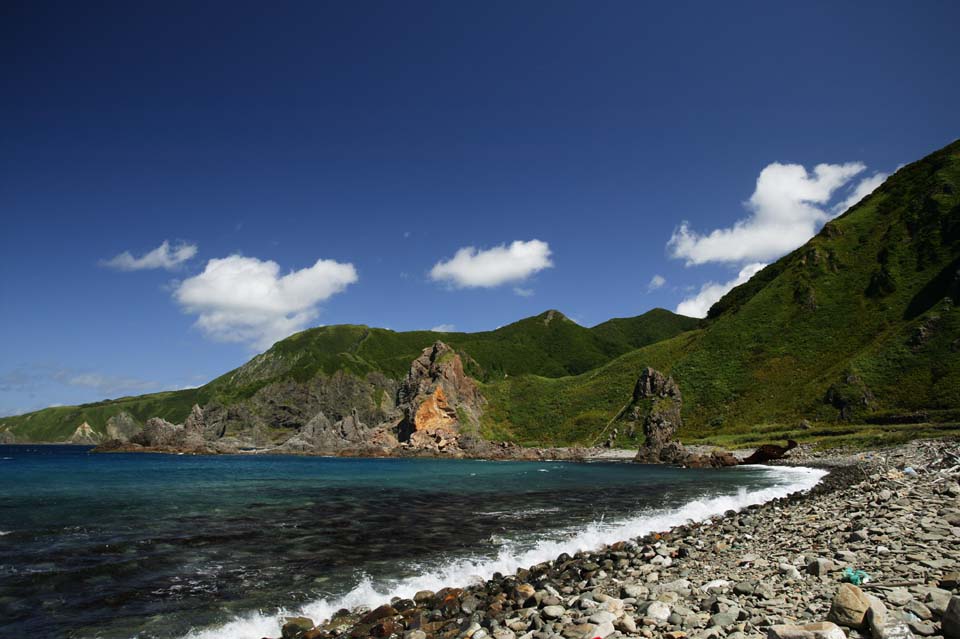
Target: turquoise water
[(165, 546)]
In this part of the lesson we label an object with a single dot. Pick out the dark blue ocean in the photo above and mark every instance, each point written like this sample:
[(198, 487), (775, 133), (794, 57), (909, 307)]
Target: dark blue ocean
[(164, 546)]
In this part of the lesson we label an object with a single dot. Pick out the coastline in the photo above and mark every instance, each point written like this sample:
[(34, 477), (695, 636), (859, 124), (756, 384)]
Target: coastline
[(740, 574)]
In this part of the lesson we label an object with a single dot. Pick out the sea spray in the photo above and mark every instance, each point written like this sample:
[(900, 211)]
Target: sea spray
[(511, 556)]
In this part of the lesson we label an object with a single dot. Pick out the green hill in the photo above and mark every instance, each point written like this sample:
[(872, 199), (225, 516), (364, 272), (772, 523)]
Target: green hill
[(549, 345), (857, 331)]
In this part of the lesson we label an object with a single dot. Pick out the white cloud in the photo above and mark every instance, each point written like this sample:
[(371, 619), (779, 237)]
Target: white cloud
[(472, 268), (443, 328), (523, 292), (164, 256), (657, 281), (786, 209), (244, 299), (699, 304), (865, 187)]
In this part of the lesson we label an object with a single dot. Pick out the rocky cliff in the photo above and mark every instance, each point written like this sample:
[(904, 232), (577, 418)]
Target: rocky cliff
[(84, 434), (435, 409), (122, 426), (438, 401)]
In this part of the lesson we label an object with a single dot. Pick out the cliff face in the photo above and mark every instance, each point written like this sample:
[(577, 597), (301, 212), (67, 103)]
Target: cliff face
[(122, 426), (85, 435), (437, 400), (426, 413)]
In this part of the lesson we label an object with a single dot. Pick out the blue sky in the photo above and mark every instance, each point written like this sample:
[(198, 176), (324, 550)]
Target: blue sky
[(319, 163)]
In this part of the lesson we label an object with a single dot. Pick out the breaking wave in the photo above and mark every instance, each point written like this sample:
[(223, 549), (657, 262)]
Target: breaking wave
[(514, 555)]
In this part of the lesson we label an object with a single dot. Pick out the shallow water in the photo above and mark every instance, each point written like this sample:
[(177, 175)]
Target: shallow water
[(164, 546)]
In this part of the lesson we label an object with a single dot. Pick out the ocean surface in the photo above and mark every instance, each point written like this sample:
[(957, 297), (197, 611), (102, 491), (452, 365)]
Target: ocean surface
[(168, 546)]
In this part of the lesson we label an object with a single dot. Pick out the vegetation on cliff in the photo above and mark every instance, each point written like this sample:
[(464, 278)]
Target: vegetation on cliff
[(857, 329), (855, 334), (370, 362)]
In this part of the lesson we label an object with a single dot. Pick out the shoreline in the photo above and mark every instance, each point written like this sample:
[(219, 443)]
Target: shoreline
[(459, 572), (741, 574)]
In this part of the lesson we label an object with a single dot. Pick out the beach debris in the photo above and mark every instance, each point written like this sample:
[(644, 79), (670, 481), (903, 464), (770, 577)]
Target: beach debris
[(854, 576)]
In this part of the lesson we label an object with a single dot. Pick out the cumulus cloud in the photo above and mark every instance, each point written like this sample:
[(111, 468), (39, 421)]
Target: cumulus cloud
[(244, 299), (443, 328), (865, 187), (164, 256), (657, 281), (699, 304), (473, 268), (786, 208)]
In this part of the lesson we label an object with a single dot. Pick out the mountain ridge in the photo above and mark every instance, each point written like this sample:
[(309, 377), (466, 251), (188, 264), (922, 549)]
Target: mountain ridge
[(853, 335), (548, 344)]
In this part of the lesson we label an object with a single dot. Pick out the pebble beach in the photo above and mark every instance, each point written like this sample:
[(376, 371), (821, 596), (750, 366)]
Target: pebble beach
[(871, 551)]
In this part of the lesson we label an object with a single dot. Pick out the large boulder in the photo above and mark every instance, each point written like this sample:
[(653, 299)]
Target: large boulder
[(849, 607), (950, 623)]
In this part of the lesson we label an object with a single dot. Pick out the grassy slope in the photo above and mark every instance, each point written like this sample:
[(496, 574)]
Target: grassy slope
[(548, 344), (850, 301)]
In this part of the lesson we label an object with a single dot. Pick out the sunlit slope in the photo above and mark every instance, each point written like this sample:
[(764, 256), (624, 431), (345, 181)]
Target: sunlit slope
[(857, 325), (549, 344)]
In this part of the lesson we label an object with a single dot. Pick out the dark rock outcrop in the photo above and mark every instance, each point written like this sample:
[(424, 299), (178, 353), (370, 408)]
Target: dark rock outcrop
[(656, 405), (769, 452)]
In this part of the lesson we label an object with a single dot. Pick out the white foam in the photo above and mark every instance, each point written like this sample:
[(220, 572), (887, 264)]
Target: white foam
[(5, 532), (464, 571)]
